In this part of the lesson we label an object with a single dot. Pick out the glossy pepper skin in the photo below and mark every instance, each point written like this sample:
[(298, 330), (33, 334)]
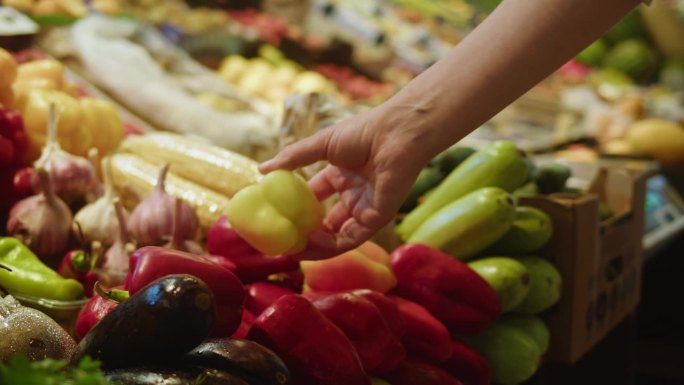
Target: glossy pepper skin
[(250, 264), (150, 263), (91, 313), (277, 214), (360, 268), (425, 336), (453, 292), (315, 350), (467, 365), (413, 372), (13, 140), (29, 276), (261, 295), (361, 321)]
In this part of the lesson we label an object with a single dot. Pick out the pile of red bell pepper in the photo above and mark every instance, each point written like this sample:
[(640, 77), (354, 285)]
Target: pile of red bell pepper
[(403, 332)]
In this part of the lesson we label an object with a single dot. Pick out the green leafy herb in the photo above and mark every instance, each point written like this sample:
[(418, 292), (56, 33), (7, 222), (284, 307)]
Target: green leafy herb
[(19, 370)]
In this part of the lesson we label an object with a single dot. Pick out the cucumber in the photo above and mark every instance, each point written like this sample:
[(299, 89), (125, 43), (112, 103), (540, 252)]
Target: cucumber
[(531, 229), (428, 178), (551, 178), (498, 165), (450, 158), (468, 225)]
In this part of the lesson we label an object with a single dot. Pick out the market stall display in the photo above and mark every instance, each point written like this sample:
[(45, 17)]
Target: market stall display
[(513, 248)]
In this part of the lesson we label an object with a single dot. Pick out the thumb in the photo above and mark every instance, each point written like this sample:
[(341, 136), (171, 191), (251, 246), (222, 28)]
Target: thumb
[(299, 154)]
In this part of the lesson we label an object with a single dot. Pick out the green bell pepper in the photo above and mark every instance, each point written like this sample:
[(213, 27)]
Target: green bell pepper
[(24, 273)]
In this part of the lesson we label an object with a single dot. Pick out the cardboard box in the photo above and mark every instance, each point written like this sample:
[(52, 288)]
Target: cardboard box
[(600, 261)]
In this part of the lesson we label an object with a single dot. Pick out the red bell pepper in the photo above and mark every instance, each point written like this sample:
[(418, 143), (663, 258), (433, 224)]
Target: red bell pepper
[(150, 263), (250, 264), (13, 140), (261, 295), (245, 323), (388, 308), (93, 311), (467, 365), (361, 321), (413, 372), (425, 335), (313, 348), (446, 287)]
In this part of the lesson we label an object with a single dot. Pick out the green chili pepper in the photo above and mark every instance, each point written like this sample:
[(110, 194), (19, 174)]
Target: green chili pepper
[(27, 275)]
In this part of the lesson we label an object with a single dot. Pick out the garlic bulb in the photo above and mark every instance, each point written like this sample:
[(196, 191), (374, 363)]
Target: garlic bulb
[(98, 219), (42, 222), (177, 242), (151, 223), (73, 177), (116, 258)]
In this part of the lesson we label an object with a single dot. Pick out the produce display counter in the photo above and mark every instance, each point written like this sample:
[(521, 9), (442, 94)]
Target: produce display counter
[(516, 258)]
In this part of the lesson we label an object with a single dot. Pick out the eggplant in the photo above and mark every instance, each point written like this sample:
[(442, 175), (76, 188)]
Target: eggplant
[(147, 375), (247, 359), (157, 325)]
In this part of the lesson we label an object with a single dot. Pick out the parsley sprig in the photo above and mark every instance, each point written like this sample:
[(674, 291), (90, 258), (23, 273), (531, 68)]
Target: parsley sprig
[(20, 371)]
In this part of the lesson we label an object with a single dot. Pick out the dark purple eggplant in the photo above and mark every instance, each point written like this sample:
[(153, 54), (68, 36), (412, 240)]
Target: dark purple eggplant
[(149, 375), (255, 363), (157, 325)]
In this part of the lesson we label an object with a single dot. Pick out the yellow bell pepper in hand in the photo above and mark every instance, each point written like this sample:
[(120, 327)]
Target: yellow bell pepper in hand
[(276, 215)]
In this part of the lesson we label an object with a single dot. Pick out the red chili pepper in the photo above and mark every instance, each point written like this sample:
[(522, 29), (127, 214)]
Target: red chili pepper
[(77, 264), (413, 372), (361, 321), (24, 181), (425, 335), (150, 263), (261, 295), (467, 365), (449, 289), (93, 311), (313, 348), (250, 264), (13, 140)]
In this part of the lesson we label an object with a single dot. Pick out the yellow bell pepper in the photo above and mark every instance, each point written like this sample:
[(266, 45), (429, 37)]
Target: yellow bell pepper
[(8, 69), (6, 97), (42, 69), (73, 135), (103, 121), (277, 214)]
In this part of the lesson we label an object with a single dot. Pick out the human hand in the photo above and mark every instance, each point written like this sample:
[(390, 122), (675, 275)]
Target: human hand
[(373, 159)]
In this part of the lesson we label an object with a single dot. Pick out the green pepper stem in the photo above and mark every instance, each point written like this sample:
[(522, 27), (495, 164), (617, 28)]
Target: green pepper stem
[(114, 295)]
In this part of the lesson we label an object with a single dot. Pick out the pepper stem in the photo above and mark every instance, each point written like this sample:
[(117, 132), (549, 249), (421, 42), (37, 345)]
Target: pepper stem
[(161, 179), (114, 295)]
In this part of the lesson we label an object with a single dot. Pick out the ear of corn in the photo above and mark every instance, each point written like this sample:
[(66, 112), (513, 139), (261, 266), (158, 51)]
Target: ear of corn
[(210, 166), (134, 178)]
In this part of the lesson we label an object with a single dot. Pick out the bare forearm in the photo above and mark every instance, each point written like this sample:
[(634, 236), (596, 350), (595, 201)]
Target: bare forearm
[(518, 45)]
